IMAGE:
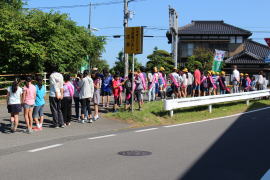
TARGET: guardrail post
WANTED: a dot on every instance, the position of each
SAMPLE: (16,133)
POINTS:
(247,102)
(171,113)
(210,108)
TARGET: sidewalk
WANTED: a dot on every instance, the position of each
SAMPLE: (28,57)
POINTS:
(75,130)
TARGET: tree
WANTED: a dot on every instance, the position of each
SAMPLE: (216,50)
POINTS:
(35,41)
(203,58)
(120,64)
(100,64)
(160,58)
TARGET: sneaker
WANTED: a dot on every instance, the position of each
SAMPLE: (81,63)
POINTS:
(56,127)
(107,106)
(96,118)
(90,121)
(68,124)
(82,121)
(12,124)
(103,105)
(28,131)
(36,129)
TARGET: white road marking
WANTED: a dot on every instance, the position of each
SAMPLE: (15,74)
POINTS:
(44,148)
(99,137)
(143,130)
(207,120)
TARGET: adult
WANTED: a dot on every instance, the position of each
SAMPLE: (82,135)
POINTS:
(67,99)
(106,88)
(39,103)
(138,88)
(260,81)
(197,81)
(235,79)
(144,81)
(55,98)
(14,100)
(29,96)
(185,82)
(86,93)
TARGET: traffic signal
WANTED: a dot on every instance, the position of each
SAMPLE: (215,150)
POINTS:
(169,37)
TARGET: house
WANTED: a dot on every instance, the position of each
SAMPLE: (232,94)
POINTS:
(242,51)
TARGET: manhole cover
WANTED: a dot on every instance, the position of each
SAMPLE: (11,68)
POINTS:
(135,153)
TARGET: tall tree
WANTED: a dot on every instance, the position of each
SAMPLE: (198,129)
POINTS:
(120,64)
(160,58)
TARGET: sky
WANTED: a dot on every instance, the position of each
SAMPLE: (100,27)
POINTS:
(108,19)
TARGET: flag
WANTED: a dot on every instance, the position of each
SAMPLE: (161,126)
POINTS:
(218,60)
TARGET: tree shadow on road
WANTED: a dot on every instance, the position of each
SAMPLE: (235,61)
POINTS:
(241,153)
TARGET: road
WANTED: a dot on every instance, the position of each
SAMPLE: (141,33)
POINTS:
(230,148)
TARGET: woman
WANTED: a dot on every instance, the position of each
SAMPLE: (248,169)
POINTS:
(96,97)
(76,96)
(67,99)
(14,99)
(39,103)
(29,96)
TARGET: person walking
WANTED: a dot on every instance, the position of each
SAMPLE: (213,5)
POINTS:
(39,103)
(197,81)
(86,93)
(235,79)
(55,98)
(14,101)
(29,96)
(96,98)
(76,96)
(67,99)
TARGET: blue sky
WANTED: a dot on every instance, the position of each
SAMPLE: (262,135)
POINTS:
(247,14)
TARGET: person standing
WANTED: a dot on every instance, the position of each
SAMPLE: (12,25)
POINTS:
(67,99)
(260,81)
(96,98)
(204,84)
(14,101)
(86,93)
(190,82)
(185,82)
(106,88)
(175,83)
(29,96)
(128,87)
(138,88)
(247,83)
(76,96)
(56,96)
(222,83)
(153,85)
(39,103)
(197,81)
(116,91)
(235,79)
(162,83)
(211,84)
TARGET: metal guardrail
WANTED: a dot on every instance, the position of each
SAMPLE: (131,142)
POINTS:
(170,105)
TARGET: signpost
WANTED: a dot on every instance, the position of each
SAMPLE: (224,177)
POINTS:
(218,59)
(133,45)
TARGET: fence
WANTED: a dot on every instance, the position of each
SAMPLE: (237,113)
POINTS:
(7,79)
(170,105)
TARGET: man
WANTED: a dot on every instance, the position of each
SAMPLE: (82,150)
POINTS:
(235,79)
(86,92)
(197,81)
(55,98)
(106,88)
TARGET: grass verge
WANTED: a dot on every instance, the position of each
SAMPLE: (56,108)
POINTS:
(153,113)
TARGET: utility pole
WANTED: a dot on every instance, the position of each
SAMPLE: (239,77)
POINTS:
(173,18)
(126,17)
(89,27)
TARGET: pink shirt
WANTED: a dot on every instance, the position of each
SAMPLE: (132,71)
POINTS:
(197,77)
(29,94)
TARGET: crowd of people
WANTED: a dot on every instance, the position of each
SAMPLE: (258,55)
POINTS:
(96,88)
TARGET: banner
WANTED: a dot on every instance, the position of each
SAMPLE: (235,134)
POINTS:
(218,60)
(267,40)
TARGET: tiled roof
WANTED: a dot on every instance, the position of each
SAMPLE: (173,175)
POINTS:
(212,28)
(253,53)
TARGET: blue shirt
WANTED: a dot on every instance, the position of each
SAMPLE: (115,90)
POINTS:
(40,96)
(106,84)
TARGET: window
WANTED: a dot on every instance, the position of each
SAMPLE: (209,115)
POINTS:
(239,39)
(232,39)
(190,47)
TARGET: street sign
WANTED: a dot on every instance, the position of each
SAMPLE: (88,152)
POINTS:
(267,41)
(134,40)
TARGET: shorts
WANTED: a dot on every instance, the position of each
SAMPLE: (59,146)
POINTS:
(174,88)
(196,87)
(38,111)
(105,93)
(14,108)
(27,106)
(96,97)
(138,94)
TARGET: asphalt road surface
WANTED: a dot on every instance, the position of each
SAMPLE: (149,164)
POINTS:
(230,148)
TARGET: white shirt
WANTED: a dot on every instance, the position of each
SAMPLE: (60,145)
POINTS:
(236,75)
(260,80)
(190,79)
(150,77)
(56,83)
(14,98)
(185,80)
(87,88)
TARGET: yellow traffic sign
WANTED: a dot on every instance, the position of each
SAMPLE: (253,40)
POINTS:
(134,40)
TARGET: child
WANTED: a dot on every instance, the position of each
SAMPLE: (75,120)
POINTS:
(204,85)
(29,96)
(222,83)
(138,88)
(39,103)
(76,96)
(96,98)
(128,87)
(248,83)
(106,88)
(14,97)
(67,99)
(116,91)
